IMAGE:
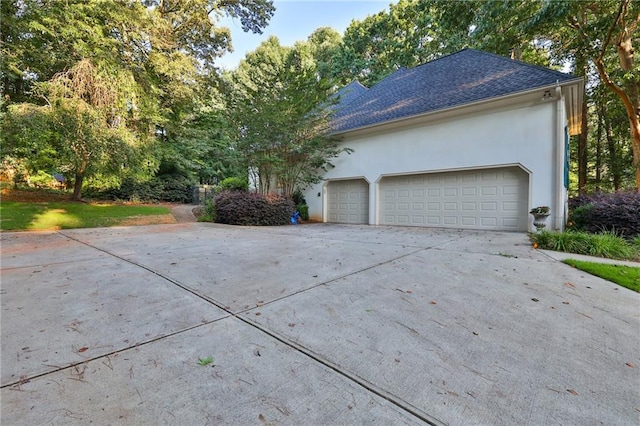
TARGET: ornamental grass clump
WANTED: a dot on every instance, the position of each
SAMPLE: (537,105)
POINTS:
(605,244)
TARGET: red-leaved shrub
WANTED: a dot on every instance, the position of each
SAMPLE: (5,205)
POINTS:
(618,212)
(250,208)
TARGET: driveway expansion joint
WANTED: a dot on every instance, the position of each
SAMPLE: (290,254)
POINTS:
(370,387)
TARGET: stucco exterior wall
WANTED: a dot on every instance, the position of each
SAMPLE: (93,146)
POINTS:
(524,135)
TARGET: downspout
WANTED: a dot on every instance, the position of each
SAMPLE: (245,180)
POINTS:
(559,211)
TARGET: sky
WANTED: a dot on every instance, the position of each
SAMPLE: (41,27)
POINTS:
(295,20)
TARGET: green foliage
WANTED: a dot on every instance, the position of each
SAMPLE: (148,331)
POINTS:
(162,44)
(16,216)
(606,244)
(249,208)
(209,214)
(41,179)
(303,209)
(146,74)
(26,141)
(197,143)
(205,361)
(625,276)
(172,188)
(404,36)
(234,184)
(301,205)
(129,189)
(281,111)
(176,188)
(579,217)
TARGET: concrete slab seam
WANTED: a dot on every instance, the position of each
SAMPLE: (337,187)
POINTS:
(370,387)
(403,405)
(118,351)
(304,290)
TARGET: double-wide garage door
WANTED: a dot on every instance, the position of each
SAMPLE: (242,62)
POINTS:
(348,201)
(493,199)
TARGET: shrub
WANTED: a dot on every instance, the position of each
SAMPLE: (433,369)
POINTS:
(171,188)
(128,190)
(298,198)
(301,204)
(303,209)
(618,212)
(248,208)
(234,184)
(579,216)
(42,179)
(208,212)
(176,189)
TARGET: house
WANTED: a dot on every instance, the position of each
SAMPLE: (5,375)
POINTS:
(470,140)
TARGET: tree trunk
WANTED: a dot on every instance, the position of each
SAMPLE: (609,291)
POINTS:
(614,160)
(624,48)
(635,145)
(77,187)
(581,68)
(631,101)
(598,179)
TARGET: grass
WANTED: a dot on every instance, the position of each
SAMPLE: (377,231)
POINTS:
(626,276)
(19,216)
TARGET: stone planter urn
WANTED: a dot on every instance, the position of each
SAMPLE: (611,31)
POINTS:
(540,215)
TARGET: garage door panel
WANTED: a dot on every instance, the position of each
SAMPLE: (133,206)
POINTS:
(348,201)
(469,191)
(483,199)
(489,206)
(489,191)
(490,222)
(469,207)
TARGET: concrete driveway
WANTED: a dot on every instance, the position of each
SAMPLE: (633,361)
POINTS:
(311,324)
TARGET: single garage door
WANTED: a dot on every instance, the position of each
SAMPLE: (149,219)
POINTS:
(348,201)
(494,199)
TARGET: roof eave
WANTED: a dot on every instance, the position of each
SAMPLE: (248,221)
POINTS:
(573,91)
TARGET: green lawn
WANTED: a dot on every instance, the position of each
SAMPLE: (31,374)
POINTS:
(18,216)
(626,276)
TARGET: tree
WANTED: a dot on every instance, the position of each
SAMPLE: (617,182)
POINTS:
(404,36)
(86,131)
(281,111)
(324,44)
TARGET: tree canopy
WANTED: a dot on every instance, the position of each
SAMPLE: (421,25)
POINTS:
(280,106)
(159,54)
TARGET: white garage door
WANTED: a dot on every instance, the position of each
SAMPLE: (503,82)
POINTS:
(348,201)
(493,199)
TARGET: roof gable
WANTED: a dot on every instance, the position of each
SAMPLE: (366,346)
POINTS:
(350,92)
(461,78)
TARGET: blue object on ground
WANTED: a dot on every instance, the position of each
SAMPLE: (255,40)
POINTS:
(295,218)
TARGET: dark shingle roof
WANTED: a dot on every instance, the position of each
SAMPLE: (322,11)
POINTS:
(461,78)
(350,92)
